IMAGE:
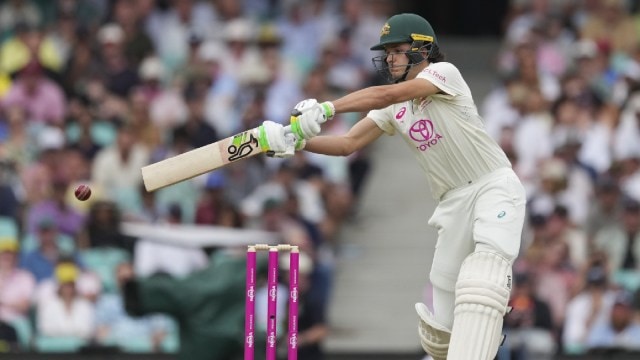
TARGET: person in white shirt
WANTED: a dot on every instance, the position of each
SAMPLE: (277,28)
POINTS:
(481,206)
(66,313)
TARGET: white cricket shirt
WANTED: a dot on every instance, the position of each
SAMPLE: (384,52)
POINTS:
(444,131)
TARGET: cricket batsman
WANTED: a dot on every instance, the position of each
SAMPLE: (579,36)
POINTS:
(481,201)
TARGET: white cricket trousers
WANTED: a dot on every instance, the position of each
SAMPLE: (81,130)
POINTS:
(487,215)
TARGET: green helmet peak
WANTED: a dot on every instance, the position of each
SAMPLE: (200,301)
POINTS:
(405,28)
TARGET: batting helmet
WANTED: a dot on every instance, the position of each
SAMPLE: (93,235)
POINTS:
(405,28)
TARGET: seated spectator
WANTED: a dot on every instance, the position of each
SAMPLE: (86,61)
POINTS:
(621,330)
(115,327)
(621,242)
(212,204)
(16,285)
(49,250)
(529,326)
(588,310)
(42,98)
(88,286)
(606,209)
(102,228)
(66,313)
(69,220)
(116,168)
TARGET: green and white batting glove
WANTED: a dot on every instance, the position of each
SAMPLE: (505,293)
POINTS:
(273,140)
(308,115)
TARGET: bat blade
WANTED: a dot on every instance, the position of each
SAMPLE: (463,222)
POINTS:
(201,160)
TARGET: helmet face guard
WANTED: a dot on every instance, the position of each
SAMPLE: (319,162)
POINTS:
(414,55)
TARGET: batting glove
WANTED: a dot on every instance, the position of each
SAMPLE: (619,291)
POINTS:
(307,116)
(274,141)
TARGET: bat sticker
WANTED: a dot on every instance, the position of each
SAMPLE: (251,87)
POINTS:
(242,146)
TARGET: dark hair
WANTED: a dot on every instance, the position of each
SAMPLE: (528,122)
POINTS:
(435,55)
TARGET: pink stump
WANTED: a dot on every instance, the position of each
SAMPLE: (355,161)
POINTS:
(250,305)
(294,264)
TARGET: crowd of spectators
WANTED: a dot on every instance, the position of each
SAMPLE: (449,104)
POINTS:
(567,112)
(92,90)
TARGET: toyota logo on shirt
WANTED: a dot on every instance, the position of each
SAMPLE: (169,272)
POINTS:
(423,133)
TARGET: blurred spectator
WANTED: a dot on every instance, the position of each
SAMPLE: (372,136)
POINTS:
(591,62)
(275,219)
(579,191)
(14,12)
(116,168)
(284,180)
(86,134)
(197,130)
(170,28)
(64,36)
(88,285)
(611,23)
(588,310)
(220,103)
(302,35)
(102,228)
(621,330)
(212,205)
(628,130)
(281,84)
(621,241)
(560,229)
(167,107)
(10,204)
(66,314)
(17,285)
(556,279)
(42,99)
(529,325)
(49,250)
(137,45)
(18,147)
(118,73)
(348,73)
(552,178)
(68,220)
(38,176)
(115,327)
(29,43)
(534,125)
(606,210)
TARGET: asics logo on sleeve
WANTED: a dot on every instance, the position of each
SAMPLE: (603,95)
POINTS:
(400,113)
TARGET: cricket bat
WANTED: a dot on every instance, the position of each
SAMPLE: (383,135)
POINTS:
(201,160)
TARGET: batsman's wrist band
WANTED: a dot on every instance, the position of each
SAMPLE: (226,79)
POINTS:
(329,109)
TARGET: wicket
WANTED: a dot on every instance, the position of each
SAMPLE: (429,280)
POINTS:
(272,286)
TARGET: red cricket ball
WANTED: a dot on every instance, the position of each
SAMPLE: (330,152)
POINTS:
(82,192)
